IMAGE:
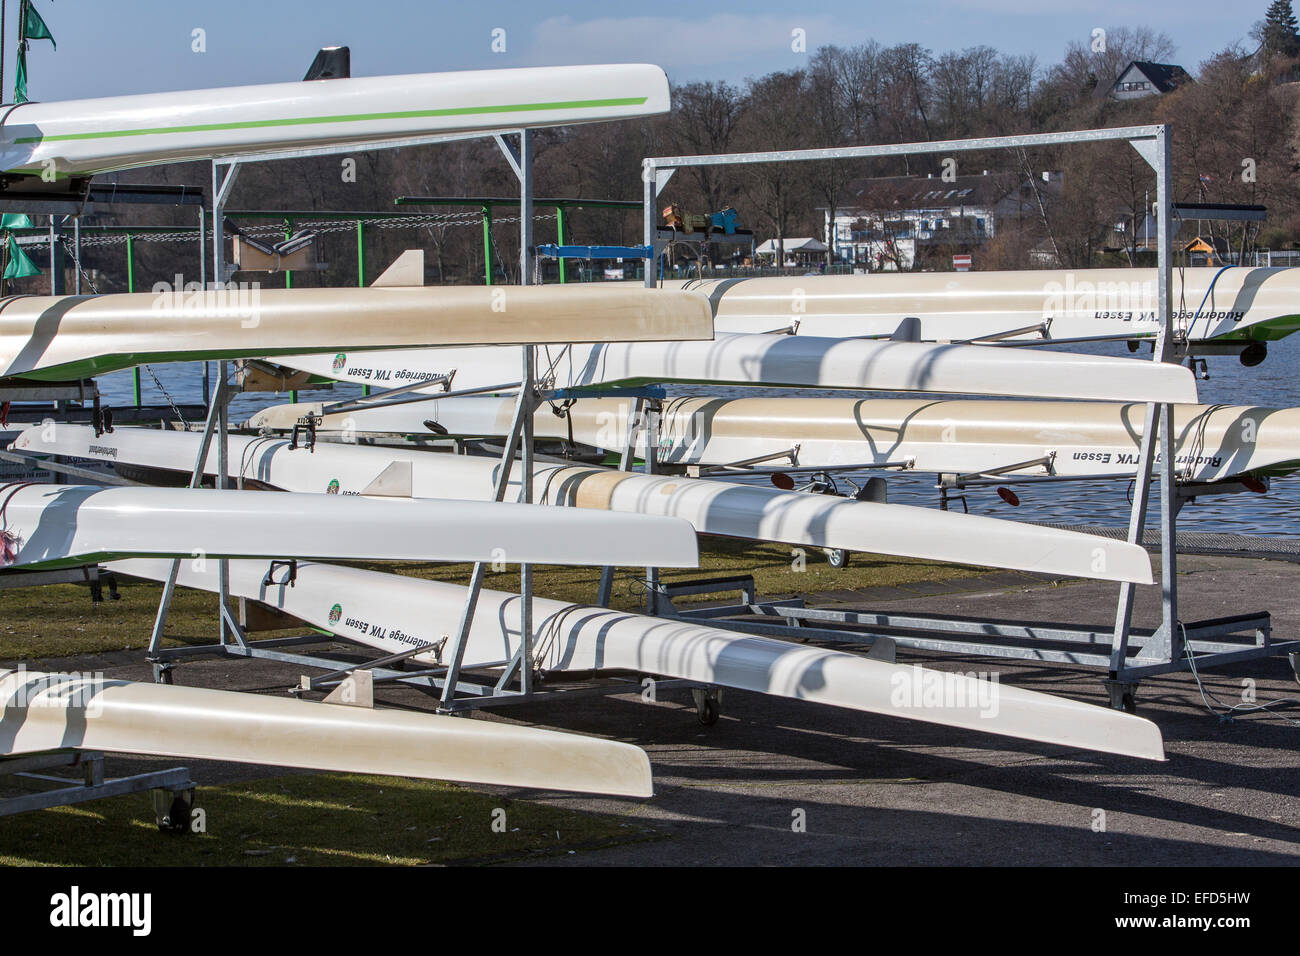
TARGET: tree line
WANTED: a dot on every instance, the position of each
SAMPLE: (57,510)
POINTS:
(1234,138)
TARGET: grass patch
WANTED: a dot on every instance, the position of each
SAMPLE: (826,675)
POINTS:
(311,820)
(59,620)
(773,567)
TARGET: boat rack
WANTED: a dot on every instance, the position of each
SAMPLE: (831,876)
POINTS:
(456,690)
(93,576)
(1128,654)
(173,790)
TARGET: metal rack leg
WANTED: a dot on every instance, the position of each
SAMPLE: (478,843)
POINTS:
(196,478)
(1136,528)
(652,413)
(633,427)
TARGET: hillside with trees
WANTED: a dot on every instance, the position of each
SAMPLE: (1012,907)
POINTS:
(1234,133)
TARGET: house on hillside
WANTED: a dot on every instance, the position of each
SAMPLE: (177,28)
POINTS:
(1142,78)
(889,223)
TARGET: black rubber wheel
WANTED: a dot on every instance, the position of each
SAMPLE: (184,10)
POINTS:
(177,819)
(1253,354)
(837,558)
(708,713)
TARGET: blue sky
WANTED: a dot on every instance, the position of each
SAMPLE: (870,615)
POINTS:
(140,46)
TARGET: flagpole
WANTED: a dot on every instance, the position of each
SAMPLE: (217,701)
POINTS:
(22,38)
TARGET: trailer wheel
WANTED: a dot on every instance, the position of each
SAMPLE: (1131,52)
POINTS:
(707,708)
(172,810)
(837,558)
(1123,695)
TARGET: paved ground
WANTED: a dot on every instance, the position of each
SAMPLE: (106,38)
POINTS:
(875,790)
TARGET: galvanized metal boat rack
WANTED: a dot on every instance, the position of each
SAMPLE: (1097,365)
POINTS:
(172,790)
(497,683)
(1128,654)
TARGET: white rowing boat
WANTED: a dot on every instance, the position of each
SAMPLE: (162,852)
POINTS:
(711,507)
(968,436)
(1229,307)
(392,613)
(42,712)
(68,337)
(85,137)
(45,526)
(776,360)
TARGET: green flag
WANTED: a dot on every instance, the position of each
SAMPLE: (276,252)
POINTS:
(34,27)
(19,265)
(20,75)
(15,220)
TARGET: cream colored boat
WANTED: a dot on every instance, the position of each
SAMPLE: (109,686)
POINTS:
(42,712)
(68,337)
(1231,308)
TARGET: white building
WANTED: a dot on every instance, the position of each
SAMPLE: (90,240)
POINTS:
(798,251)
(891,222)
(1142,78)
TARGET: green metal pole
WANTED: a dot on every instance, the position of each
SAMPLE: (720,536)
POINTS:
(487,244)
(288,273)
(361,270)
(361,253)
(288,284)
(559,236)
(130,287)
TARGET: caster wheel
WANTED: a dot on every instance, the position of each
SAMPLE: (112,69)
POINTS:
(1253,354)
(1123,695)
(838,558)
(172,810)
(707,705)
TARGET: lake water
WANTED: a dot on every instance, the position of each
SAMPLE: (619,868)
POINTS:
(1274,383)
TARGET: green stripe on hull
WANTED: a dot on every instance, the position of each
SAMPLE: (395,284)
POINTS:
(342,118)
(1270,330)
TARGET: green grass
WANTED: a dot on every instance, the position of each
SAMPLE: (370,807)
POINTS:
(773,567)
(311,820)
(60,621)
(333,819)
